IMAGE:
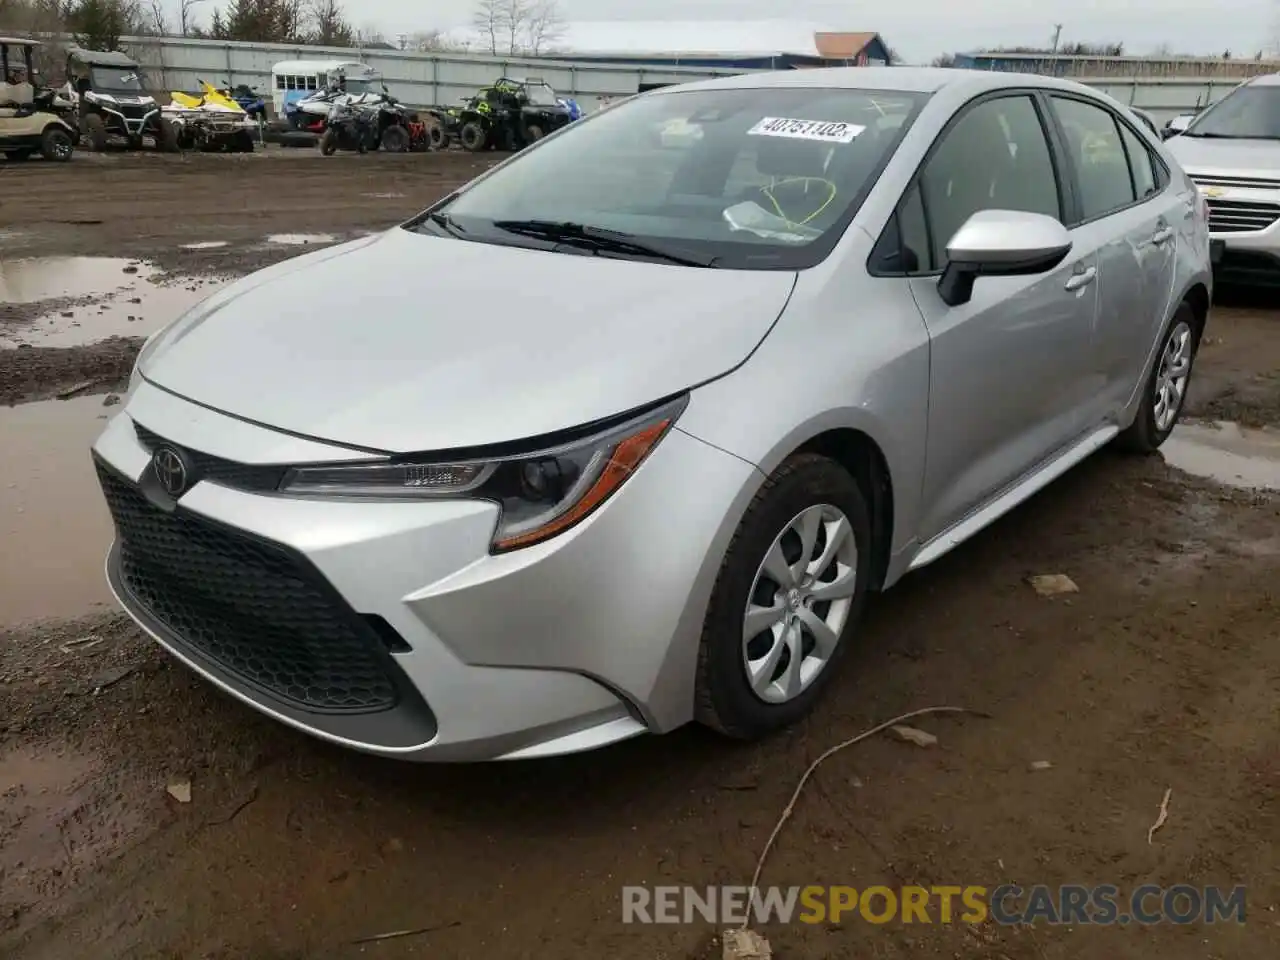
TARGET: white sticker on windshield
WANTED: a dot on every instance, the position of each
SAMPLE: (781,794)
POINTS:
(828,131)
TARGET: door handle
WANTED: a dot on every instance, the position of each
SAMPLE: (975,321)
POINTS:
(1082,279)
(1163,235)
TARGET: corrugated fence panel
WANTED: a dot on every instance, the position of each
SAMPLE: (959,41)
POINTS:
(422,79)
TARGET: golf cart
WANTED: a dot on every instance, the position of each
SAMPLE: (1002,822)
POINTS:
(28,120)
(509,114)
(112,102)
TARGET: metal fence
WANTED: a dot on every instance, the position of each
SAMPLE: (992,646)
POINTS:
(417,79)
(422,79)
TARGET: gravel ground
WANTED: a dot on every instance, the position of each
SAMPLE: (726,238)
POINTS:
(1160,673)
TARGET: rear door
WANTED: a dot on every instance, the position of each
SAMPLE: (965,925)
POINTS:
(1008,369)
(1127,213)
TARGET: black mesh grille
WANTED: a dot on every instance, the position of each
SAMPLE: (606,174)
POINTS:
(242,476)
(248,605)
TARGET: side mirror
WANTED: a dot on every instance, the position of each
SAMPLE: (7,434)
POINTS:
(1000,243)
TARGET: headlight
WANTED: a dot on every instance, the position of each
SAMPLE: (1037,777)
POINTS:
(541,494)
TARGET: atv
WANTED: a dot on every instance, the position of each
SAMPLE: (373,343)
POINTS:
(111,101)
(210,122)
(29,121)
(509,115)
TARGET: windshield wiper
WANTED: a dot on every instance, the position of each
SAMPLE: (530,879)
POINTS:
(447,222)
(600,240)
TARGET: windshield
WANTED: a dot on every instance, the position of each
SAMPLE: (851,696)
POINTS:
(359,85)
(1247,113)
(753,178)
(541,95)
(116,80)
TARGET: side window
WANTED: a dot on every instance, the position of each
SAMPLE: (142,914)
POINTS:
(996,157)
(280,82)
(1141,163)
(1102,167)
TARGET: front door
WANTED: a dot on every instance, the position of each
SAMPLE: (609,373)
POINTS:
(1009,369)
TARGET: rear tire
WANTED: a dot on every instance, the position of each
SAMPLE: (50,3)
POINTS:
(805,486)
(395,139)
(56,145)
(329,142)
(95,128)
(473,137)
(1165,391)
(534,133)
(436,136)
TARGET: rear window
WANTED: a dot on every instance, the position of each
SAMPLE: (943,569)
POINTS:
(764,178)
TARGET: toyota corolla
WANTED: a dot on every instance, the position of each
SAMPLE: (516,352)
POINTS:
(622,434)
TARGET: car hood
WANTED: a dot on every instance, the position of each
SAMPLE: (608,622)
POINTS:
(1239,158)
(407,342)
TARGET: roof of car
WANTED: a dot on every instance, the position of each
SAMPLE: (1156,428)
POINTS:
(102,58)
(908,79)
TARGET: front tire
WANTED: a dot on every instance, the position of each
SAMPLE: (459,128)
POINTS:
(329,142)
(95,128)
(1165,392)
(791,589)
(473,137)
(395,139)
(56,145)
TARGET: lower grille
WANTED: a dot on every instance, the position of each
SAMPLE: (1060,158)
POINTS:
(1241,216)
(252,607)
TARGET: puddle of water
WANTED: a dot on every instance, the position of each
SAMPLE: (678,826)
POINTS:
(299,239)
(205,245)
(1226,452)
(47,278)
(54,522)
(93,298)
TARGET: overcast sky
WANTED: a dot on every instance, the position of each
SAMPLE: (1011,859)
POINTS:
(917,29)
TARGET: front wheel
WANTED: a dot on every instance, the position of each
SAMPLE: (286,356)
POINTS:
(790,590)
(95,128)
(329,142)
(1166,389)
(473,137)
(56,144)
(395,139)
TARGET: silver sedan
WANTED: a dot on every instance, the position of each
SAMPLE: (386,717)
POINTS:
(624,433)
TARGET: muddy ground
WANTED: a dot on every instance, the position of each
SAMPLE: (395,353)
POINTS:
(1160,673)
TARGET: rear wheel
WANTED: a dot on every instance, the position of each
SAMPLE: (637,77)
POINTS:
(792,586)
(473,136)
(534,133)
(166,137)
(436,135)
(56,144)
(1166,389)
(395,139)
(95,128)
(329,142)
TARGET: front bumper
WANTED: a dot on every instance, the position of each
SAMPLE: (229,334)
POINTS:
(1244,233)
(388,627)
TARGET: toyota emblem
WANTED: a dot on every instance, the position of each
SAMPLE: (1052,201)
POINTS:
(170,470)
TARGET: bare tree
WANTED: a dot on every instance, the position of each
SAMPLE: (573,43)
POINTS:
(489,19)
(328,25)
(156,18)
(544,26)
(186,15)
(515,15)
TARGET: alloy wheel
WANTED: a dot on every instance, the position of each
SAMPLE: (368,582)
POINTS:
(799,603)
(1172,376)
